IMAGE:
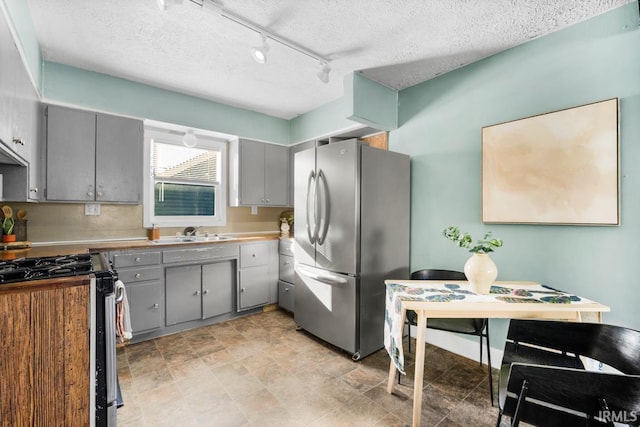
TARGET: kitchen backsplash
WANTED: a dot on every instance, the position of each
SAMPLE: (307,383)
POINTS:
(54,222)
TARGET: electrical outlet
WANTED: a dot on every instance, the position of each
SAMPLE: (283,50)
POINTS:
(92,209)
(254,210)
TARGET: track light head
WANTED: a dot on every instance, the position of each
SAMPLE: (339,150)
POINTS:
(166,4)
(323,75)
(259,53)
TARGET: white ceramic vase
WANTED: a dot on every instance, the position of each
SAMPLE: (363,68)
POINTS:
(481,272)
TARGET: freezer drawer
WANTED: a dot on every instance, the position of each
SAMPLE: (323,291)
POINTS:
(326,306)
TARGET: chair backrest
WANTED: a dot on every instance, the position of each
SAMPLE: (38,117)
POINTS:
(434,274)
(554,396)
(616,346)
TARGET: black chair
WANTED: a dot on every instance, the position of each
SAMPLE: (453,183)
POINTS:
(554,396)
(477,327)
(561,344)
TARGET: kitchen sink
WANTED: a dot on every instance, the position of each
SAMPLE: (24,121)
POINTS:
(192,239)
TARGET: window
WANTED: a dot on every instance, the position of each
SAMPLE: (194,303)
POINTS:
(184,186)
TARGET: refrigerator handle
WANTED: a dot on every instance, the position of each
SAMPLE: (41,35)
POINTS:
(329,279)
(312,237)
(326,207)
(317,213)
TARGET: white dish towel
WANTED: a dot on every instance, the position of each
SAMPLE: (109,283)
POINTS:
(123,318)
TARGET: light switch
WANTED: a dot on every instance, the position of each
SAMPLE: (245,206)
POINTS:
(92,209)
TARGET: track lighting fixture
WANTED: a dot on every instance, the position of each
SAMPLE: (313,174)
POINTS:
(189,139)
(323,75)
(259,53)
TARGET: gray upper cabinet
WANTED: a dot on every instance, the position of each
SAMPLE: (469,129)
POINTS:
(259,174)
(19,124)
(118,159)
(9,59)
(92,157)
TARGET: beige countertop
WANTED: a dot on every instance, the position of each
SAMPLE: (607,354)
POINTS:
(46,250)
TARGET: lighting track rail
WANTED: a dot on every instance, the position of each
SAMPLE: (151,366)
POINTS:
(216,8)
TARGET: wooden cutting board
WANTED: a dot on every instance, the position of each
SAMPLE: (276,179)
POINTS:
(15,245)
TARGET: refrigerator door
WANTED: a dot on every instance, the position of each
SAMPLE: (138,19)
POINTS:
(326,306)
(338,206)
(306,208)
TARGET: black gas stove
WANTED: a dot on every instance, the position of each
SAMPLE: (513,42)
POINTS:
(23,269)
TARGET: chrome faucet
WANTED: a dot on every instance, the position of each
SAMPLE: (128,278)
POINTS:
(191,231)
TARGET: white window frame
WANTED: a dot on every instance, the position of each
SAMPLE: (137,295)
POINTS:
(172,134)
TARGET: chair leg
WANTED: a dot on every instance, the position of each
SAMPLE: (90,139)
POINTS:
(409,336)
(499,418)
(480,348)
(515,421)
(489,368)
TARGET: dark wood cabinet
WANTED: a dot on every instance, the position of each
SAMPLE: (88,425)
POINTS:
(44,354)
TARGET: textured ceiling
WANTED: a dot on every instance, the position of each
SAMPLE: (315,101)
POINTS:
(398,43)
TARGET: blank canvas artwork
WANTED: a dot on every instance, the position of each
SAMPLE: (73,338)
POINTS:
(555,168)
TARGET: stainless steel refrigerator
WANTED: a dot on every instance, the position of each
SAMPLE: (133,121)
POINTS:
(351,233)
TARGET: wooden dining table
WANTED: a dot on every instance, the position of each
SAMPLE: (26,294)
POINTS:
(454,299)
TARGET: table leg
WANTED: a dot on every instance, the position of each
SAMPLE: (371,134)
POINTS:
(393,371)
(419,369)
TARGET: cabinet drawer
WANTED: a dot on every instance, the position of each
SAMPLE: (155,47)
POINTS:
(135,259)
(132,275)
(253,254)
(286,268)
(201,253)
(286,246)
(286,295)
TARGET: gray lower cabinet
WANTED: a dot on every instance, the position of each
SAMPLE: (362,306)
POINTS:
(286,293)
(258,274)
(199,291)
(184,297)
(286,287)
(218,283)
(141,273)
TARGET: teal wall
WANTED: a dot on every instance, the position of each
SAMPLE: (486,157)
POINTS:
(440,127)
(372,103)
(89,89)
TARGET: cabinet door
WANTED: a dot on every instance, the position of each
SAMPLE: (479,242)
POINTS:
(218,281)
(286,292)
(145,306)
(254,289)
(118,159)
(251,172)
(70,154)
(183,293)
(21,122)
(276,175)
(9,57)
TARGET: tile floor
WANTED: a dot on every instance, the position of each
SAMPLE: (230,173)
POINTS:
(259,371)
